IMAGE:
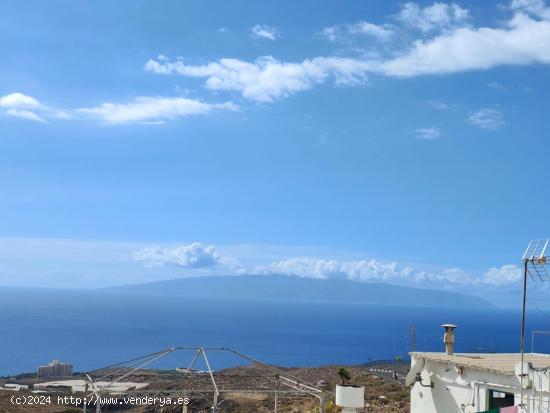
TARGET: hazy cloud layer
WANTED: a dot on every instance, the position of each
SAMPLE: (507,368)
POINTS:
(200,256)
(94,263)
(374,270)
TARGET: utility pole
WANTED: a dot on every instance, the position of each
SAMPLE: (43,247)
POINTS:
(277,395)
(85,395)
(98,403)
(413,337)
(184,408)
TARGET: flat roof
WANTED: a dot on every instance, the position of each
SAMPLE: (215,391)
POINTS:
(503,363)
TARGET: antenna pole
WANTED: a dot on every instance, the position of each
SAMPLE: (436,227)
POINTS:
(522,346)
(413,338)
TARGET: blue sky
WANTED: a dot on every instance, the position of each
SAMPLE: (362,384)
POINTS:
(393,141)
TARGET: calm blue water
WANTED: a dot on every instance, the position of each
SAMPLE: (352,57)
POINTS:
(92,330)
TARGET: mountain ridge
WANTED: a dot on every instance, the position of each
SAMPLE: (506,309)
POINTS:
(280,287)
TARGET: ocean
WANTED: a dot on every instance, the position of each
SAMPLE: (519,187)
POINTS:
(91,330)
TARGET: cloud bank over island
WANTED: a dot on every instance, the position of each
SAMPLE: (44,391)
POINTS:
(207,257)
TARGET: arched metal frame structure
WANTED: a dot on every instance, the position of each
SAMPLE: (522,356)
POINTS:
(285,384)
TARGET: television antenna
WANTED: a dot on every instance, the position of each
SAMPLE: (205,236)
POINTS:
(534,264)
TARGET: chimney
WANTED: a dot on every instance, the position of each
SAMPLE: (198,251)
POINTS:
(449,338)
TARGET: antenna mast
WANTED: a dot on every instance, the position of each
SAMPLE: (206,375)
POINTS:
(534,264)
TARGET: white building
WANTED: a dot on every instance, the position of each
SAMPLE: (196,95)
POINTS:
(14,387)
(55,369)
(446,383)
(80,385)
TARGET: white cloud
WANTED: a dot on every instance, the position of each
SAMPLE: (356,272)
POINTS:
(267,78)
(362,270)
(382,32)
(428,133)
(24,114)
(22,106)
(261,31)
(200,256)
(142,109)
(27,107)
(152,109)
(331,33)
(195,255)
(19,101)
(497,86)
(534,7)
(372,29)
(525,41)
(438,105)
(507,274)
(490,119)
(456,276)
(374,270)
(436,16)
(323,269)
(370,269)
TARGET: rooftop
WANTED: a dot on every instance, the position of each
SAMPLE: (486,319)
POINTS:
(503,363)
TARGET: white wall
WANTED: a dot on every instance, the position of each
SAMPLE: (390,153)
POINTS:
(467,393)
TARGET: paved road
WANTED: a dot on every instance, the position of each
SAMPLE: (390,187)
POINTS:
(391,373)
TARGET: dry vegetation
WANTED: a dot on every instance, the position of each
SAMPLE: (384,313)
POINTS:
(395,396)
